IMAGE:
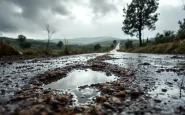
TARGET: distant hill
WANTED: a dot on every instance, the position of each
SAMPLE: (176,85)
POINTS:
(89,40)
(41,44)
(35,44)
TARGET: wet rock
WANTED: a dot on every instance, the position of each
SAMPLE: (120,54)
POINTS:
(157,100)
(17,98)
(2,63)
(41,108)
(164,90)
(46,91)
(181,109)
(174,97)
(19,92)
(129,73)
(2,110)
(64,99)
(121,94)
(135,94)
(158,71)
(78,109)
(116,100)
(24,112)
(145,63)
(98,65)
(175,80)
(3,92)
(107,90)
(83,96)
(10,63)
(35,108)
(101,99)
(108,105)
(169,83)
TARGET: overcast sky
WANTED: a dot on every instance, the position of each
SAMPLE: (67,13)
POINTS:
(78,18)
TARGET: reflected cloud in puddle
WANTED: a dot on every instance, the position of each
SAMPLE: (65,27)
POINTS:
(85,95)
(78,78)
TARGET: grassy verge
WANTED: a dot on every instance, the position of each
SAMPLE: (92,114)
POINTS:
(40,52)
(166,48)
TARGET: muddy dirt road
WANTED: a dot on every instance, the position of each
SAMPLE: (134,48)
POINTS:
(161,77)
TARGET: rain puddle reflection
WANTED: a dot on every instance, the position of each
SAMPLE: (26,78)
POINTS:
(78,78)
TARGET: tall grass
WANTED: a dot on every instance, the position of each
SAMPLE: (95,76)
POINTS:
(176,47)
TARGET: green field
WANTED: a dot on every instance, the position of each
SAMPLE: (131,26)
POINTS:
(38,47)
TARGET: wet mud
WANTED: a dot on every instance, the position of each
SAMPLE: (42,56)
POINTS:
(131,83)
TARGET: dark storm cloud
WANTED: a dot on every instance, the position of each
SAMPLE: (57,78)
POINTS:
(29,16)
(7,22)
(33,12)
(102,7)
(34,8)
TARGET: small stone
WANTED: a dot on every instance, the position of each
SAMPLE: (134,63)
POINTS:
(157,100)
(3,92)
(135,94)
(63,98)
(116,100)
(164,90)
(107,105)
(20,91)
(120,94)
(41,108)
(17,98)
(82,96)
(100,99)
(175,80)
(146,63)
(24,112)
(78,109)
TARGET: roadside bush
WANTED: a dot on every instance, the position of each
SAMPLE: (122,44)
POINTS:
(24,45)
(97,47)
(128,44)
(166,36)
(181,31)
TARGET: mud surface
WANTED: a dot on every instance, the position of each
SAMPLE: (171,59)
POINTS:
(16,74)
(143,84)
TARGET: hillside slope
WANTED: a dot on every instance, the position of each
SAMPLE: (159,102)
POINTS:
(89,40)
(166,48)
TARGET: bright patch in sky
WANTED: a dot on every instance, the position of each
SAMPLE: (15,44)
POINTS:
(171,2)
(81,14)
(18,10)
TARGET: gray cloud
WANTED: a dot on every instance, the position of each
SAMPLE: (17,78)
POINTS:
(34,8)
(102,7)
(31,15)
(7,22)
(168,19)
(34,13)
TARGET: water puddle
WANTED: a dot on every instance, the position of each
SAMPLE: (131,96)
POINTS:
(84,95)
(13,76)
(78,78)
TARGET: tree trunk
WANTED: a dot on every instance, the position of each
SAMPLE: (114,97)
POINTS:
(47,45)
(140,38)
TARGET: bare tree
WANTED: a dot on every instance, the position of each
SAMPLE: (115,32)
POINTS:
(183,4)
(66,47)
(181,85)
(50,32)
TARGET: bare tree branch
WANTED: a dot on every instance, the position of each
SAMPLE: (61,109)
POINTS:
(183,4)
(50,31)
